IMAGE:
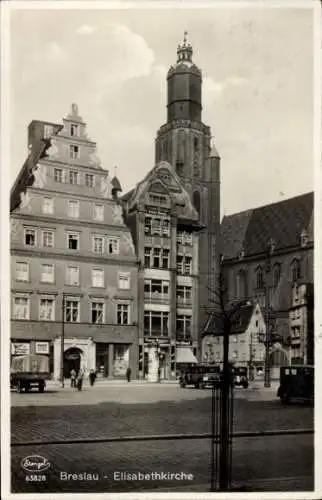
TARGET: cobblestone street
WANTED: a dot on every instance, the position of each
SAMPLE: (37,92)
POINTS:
(110,411)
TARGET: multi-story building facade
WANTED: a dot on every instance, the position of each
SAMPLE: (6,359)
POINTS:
(165,229)
(302,324)
(185,142)
(73,263)
(246,343)
(266,251)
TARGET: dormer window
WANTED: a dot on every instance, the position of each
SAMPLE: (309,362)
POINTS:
(48,131)
(304,238)
(74,130)
(271,245)
(241,255)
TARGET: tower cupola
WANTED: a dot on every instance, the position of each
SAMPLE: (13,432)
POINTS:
(184,50)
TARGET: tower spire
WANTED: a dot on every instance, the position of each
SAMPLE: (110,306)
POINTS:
(184,50)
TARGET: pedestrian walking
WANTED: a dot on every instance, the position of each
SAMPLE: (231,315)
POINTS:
(128,374)
(92,377)
(73,378)
(80,378)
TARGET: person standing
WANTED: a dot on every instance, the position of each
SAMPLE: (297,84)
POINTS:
(128,374)
(92,377)
(73,378)
(80,377)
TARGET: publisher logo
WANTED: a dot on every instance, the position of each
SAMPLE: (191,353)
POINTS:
(35,463)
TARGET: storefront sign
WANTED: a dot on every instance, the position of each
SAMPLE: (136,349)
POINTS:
(20,349)
(42,347)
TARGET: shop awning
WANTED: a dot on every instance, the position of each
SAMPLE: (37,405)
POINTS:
(185,355)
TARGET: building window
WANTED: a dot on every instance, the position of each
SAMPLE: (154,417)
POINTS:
(58,175)
(74,129)
(184,238)
(235,354)
(180,168)
(184,294)
(156,323)
(48,131)
(124,281)
(259,278)
(73,177)
(123,316)
(113,245)
(72,311)
(196,200)
(156,257)
(98,278)
(276,274)
(89,180)
(304,238)
(184,264)
(157,225)
(48,238)
(73,153)
(97,312)
(73,241)
(46,310)
(98,211)
(196,143)
(73,209)
(48,205)
(295,270)
(98,244)
(30,237)
(183,326)
(22,271)
(47,273)
(156,290)
(21,308)
(157,199)
(241,284)
(72,276)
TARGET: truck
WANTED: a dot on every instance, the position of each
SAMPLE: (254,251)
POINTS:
(29,371)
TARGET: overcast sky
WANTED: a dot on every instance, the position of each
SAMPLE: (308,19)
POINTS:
(257,92)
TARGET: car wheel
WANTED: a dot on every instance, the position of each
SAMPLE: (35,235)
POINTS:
(41,387)
(201,385)
(245,385)
(19,387)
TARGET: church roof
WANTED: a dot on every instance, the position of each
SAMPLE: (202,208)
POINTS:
(239,318)
(283,222)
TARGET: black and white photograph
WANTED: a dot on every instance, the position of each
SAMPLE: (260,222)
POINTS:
(160,249)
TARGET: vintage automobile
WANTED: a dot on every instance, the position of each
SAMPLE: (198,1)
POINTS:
(240,376)
(201,376)
(28,372)
(296,382)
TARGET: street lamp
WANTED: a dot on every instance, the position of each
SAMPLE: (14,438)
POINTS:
(267,377)
(62,342)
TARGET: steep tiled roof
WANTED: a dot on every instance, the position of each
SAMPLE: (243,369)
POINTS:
(239,319)
(282,221)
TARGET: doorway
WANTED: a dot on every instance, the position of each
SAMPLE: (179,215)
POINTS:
(72,360)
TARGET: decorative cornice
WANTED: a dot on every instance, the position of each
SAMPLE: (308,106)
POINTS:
(63,255)
(69,222)
(264,255)
(54,192)
(190,124)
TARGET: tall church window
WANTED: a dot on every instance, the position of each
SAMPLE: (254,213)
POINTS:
(259,277)
(241,284)
(276,274)
(196,201)
(295,270)
(179,168)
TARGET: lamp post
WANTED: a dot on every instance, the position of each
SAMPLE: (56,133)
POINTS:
(267,378)
(62,342)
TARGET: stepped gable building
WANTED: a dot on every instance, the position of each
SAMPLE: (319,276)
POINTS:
(73,263)
(185,142)
(265,251)
(165,228)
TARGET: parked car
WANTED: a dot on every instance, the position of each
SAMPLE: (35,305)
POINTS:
(200,376)
(240,376)
(28,372)
(296,382)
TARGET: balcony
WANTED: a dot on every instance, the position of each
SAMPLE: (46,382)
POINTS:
(184,301)
(156,298)
(155,332)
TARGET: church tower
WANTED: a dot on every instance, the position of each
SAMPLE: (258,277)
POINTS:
(186,143)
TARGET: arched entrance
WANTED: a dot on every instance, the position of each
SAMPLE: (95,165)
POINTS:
(72,360)
(278,357)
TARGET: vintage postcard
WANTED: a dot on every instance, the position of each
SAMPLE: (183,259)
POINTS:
(160,249)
